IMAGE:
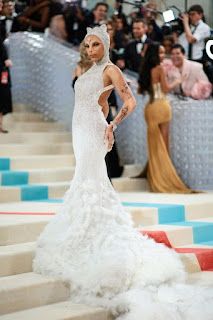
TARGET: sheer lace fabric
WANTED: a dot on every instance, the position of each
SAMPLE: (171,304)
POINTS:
(92,244)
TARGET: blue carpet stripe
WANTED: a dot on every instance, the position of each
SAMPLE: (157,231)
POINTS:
(30,192)
(4,164)
(14,178)
(166,212)
(208,243)
(202,231)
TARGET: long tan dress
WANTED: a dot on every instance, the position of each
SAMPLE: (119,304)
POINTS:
(161,173)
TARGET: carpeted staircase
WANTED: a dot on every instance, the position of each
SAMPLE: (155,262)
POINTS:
(36,166)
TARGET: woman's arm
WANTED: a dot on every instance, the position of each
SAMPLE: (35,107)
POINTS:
(165,86)
(37,24)
(113,75)
(32,9)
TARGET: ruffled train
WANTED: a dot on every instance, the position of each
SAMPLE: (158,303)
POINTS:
(91,244)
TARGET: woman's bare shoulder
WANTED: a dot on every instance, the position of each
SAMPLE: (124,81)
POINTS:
(110,68)
(157,69)
(113,72)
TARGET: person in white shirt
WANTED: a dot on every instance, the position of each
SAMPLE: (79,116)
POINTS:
(195,33)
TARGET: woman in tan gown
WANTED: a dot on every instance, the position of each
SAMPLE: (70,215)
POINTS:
(160,171)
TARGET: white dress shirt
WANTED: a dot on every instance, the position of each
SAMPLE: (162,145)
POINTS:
(200,32)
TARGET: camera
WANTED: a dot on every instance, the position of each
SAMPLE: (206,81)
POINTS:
(172,21)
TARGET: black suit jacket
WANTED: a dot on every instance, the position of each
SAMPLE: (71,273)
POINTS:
(132,57)
(2,28)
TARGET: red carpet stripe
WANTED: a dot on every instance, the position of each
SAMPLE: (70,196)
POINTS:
(30,213)
(160,237)
(203,255)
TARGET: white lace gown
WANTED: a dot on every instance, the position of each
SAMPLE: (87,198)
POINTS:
(91,243)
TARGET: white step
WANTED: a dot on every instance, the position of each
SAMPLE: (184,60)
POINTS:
(23,116)
(7,150)
(29,290)
(125,184)
(143,216)
(132,170)
(56,190)
(35,126)
(177,235)
(44,161)
(26,207)
(60,311)
(42,175)
(16,258)
(35,137)
(202,278)
(19,107)
(51,175)
(16,229)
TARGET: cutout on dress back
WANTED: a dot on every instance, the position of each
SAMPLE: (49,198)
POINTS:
(104,90)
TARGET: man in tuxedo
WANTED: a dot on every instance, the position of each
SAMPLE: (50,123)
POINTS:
(98,15)
(10,14)
(136,48)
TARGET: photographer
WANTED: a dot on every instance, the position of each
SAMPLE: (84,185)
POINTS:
(195,33)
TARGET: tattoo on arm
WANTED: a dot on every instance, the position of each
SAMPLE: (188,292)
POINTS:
(122,114)
(126,95)
(125,91)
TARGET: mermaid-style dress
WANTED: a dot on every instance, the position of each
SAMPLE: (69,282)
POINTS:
(161,173)
(92,244)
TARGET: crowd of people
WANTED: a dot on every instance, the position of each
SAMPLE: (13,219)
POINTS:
(130,35)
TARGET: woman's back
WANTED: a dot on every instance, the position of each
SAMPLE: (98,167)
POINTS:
(156,82)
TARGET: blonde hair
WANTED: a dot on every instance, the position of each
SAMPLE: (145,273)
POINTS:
(85,62)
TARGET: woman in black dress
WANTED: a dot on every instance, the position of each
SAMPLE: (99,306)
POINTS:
(5,85)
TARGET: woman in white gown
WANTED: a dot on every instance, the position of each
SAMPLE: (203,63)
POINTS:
(91,242)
